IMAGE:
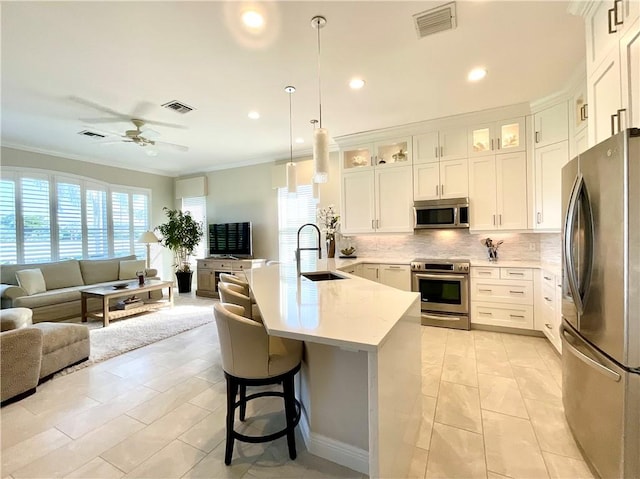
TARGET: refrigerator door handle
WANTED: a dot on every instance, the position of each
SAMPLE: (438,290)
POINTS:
(569,226)
(589,239)
(571,342)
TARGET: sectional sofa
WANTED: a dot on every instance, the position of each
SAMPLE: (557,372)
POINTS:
(52,290)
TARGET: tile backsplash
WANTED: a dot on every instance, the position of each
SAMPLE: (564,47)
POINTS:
(459,244)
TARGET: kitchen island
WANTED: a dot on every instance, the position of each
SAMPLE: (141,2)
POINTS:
(360,382)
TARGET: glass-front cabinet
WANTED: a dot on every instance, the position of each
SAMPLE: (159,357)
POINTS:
(497,137)
(378,154)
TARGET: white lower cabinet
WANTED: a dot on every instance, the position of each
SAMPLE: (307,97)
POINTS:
(370,272)
(395,275)
(497,299)
(548,308)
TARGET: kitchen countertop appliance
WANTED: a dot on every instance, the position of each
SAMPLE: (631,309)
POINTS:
(444,291)
(601,303)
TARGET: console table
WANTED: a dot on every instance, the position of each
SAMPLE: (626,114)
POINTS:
(209,270)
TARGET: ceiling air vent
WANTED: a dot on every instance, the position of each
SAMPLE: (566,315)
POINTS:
(91,134)
(178,106)
(435,20)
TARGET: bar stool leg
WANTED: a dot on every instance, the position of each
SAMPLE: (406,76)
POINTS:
(243,401)
(232,391)
(290,413)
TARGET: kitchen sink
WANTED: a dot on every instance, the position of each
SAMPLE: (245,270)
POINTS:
(322,276)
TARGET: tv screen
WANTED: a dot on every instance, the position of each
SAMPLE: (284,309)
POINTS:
(230,239)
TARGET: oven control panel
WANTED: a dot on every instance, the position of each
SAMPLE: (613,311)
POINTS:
(440,266)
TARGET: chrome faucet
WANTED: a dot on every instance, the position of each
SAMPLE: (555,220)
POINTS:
(298,249)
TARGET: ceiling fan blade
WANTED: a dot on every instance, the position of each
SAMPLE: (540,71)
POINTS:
(163,144)
(162,123)
(114,142)
(97,106)
(97,121)
(149,133)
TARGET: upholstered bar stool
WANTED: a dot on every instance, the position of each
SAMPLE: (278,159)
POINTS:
(250,357)
(234,294)
(233,279)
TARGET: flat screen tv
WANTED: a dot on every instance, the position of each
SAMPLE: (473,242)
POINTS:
(230,239)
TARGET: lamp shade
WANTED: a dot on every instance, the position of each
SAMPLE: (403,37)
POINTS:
(320,155)
(148,237)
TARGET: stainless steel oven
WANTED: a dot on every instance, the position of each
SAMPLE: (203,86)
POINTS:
(444,291)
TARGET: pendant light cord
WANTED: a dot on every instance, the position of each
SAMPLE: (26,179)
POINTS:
(290,131)
(319,81)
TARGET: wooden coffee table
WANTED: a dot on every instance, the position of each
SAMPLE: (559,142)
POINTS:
(106,293)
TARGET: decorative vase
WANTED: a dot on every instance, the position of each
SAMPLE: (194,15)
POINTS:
(331,248)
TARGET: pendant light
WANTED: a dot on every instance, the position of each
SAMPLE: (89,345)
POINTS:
(320,135)
(315,186)
(292,183)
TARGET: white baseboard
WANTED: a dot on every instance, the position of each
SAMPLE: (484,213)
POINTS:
(333,450)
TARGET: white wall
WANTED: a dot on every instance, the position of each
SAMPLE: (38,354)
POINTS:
(161,187)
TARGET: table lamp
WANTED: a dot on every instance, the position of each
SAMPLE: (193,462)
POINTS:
(148,237)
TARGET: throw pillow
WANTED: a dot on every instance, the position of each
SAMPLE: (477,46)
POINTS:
(128,269)
(31,280)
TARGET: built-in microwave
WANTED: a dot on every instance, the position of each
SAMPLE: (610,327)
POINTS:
(450,213)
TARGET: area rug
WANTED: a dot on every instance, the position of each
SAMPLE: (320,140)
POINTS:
(135,332)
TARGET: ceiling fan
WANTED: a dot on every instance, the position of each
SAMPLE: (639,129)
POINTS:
(140,136)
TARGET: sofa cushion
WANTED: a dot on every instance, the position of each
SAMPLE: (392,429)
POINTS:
(129,268)
(57,296)
(101,270)
(31,280)
(62,274)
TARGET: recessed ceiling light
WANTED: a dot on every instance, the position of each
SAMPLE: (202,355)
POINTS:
(254,115)
(299,140)
(477,74)
(252,19)
(356,83)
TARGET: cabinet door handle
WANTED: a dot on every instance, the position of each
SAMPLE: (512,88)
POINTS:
(547,298)
(609,22)
(500,219)
(537,137)
(615,13)
(491,144)
(377,223)
(494,220)
(547,278)
(586,111)
(613,122)
(620,118)
(436,151)
(441,151)
(539,216)
(442,189)
(436,190)
(373,225)
(548,326)
(498,143)
(582,113)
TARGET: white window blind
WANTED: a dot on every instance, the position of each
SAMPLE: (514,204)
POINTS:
(8,239)
(140,205)
(97,227)
(48,217)
(37,219)
(197,206)
(293,212)
(69,213)
(121,225)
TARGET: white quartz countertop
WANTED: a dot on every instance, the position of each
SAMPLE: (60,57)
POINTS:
(352,313)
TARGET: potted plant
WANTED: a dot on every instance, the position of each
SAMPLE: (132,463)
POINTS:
(181,234)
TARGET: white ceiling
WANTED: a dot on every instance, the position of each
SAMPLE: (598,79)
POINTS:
(59,58)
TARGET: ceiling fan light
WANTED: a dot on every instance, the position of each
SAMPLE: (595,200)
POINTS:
(320,155)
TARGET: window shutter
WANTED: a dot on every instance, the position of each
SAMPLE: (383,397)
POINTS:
(37,219)
(96,218)
(293,212)
(8,239)
(69,212)
(121,224)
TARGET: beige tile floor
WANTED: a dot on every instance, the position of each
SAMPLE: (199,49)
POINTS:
(491,408)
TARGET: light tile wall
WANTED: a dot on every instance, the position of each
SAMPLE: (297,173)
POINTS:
(459,244)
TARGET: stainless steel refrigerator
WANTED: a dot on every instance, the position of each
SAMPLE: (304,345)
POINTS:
(601,303)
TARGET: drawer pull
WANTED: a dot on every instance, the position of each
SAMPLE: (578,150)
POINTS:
(395,267)
(516,292)
(547,278)
(515,274)
(548,326)
(485,290)
(485,313)
(484,272)
(517,316)
(547,298)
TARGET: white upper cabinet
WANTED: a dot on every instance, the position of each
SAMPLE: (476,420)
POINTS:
(551,125)
(499,137)
(396,152)
(377,200)
(630,73)
(498,192)
(604,99)
(446,144)
(441,180)
(549,161)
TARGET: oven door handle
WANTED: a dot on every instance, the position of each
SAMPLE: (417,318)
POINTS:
(442,317)
(440,276)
